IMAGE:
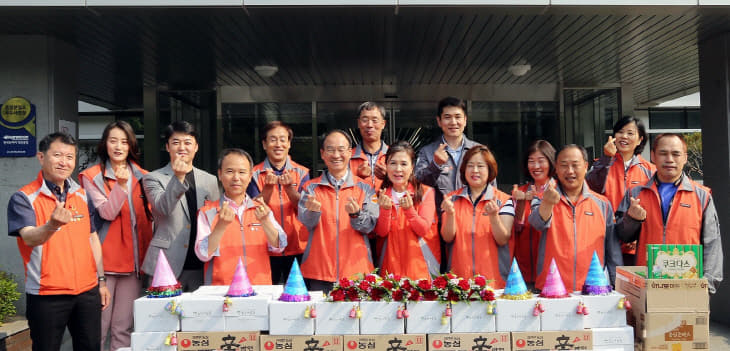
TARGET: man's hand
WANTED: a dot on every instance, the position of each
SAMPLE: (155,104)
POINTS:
(406,201)
(364,170)
(384,201)
(181,168)
(447,206)
(285,178)
(311,203)
(609,149)
(106,296)
(122,174)
(636,211)
(380,171)
(270,178)
(440,156)
(352,207)
(551,195)
(59,216)
(225,216)
(262,211)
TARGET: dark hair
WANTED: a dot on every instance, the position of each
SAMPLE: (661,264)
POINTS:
(101,149)
(451,101)
(326,135)
(639,126)
(404,146)
(236,151)
(488,156)
(575,146)
(546,149)
(47,140)
(666,135)
(276,124)
(180,127)
(369,105)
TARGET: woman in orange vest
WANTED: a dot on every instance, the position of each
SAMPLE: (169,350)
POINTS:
(406,222)
(621,168)
(539,168)
(471,221)
(123,223)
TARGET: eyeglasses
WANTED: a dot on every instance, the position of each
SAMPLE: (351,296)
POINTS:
(340,150)
(365,120)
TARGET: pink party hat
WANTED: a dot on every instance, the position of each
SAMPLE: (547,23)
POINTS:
(554,287)
(240,286)
(164,283)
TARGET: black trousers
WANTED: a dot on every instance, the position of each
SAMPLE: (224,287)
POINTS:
(49,315)
(280,266)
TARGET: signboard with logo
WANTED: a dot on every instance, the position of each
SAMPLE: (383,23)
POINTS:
(17,127)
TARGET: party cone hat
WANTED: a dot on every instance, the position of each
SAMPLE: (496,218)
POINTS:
(295,290)
(596,282)
(554,287)
(240,286)
(515,288)
(164,283)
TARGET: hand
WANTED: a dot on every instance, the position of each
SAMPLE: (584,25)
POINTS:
(406,201)
(270,178)
(380,171)
(226,215)
(181,168)
(59,216)
(364,170)
(531,193)
(262,211)
(285,178)
(122,174)
(311,203)
(106,296)
(609,149)
(517,194)
(636,211)
(352,207)
(384,201)
(447,206)
(440,156)
(491,208)
(551,196)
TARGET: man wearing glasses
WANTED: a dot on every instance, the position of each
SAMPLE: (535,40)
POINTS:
(338,211)
(368,159)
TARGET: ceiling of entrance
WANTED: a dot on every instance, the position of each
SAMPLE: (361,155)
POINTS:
(123,49)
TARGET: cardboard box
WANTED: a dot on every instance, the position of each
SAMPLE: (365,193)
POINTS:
(603,310)
(379,317)
(202,313)
(615,348)
(334,318)
(152,341)
(552,340)
(287,318)
(203,341)
(472,317)
(661,295)
(516,315)
(392,342)
(613,337)
(248,313)
(427,317)
(301,342)
(150,315)
(560,314)
(674,261)
(470,342)
(674,331)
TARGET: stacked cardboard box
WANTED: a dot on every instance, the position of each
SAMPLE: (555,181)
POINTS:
(667,314)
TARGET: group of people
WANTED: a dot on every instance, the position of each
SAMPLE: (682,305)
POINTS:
(86,248)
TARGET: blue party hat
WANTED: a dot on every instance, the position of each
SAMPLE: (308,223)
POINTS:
(515,288)
(596,282)
(295,290)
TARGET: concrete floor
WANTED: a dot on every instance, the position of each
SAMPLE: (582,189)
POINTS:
(719,336)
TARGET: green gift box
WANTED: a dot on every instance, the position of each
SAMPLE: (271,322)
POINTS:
(668,261)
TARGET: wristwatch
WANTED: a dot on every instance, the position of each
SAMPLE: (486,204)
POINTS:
(354,215)
(102,278)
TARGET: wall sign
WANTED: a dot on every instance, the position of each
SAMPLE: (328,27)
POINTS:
(17,128)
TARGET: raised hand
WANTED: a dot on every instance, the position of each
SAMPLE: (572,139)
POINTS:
(491,208)
(285,178)
(181,168)
(609,149)
(262,210)
(636,211)
(380,171)
(364,170)
(122,174)
(270,178)
(311,203)
(60,215)
(517,194)
(352,207)
(531,193)
(447,206)
(440,156)
(551,195)
(226,215)
(384,201)
(406,201)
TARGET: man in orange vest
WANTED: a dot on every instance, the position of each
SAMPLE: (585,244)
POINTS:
(672,209)
(338,210)
(368,158)
(237,227)
(574,222)
(64,273)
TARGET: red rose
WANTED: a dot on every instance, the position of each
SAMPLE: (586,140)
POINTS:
(464,284)
(397,295)
(452,296)
(488,295)
(480,281)
(430,295)
(396,277)
(415,296)
(376,294)
(424,284)
(406,285)
(352,294)
(370,278)
(451,275)
(345,283)
(440,282)
(364,285)
(337,295)
(387,285)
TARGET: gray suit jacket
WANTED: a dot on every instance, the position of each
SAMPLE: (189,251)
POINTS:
(170,211)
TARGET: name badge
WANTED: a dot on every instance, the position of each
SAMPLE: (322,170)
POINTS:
(588,213)
(685,205)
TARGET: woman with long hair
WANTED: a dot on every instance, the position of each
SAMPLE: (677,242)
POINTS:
(472,223)
(406,223)
(123,224)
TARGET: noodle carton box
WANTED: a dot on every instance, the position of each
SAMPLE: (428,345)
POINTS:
(379,317)
(152,341)
(473,317)
(154,315)
(427,317)
(337,318)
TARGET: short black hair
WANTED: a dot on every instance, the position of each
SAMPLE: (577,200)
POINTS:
(326,135)
(573,146)
(180,127)
(639,126)
(47,140)
(236,151)
(451,101)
